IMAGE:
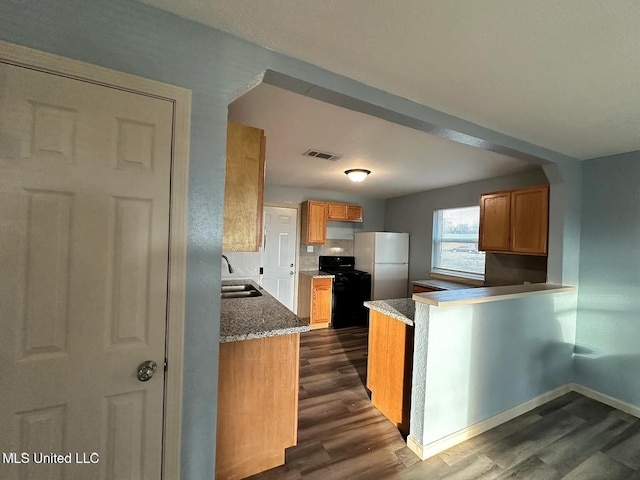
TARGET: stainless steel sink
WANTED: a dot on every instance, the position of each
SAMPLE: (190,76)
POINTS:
(243,290)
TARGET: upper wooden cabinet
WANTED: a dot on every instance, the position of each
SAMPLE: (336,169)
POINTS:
(315,215)
(515,221)
(244,189)
(495,220)
(342,212)
(314,223)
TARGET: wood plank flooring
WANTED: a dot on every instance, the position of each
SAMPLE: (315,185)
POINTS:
(342,436)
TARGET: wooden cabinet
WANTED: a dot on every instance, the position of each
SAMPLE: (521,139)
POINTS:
(423,289)
(321,301)
(314,300)
(530,220)
(495,221)
(244,189)
(257,404)
(314,223)
(515,221)
(315,215)
(389,367)
(342,212)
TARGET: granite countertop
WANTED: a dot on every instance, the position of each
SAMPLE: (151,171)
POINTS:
(487,294)
(256,317)
(316,274)
(402,309)
(441,284)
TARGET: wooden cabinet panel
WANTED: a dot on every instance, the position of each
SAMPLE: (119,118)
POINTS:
(314,223)
(343,212)
(315,215)
(244,189)
(423,289)
(530,220)
(494,222)
(321,300)
(354,213)
(337,211)
(314,300)
(515,221)
(389,367)
(257,404)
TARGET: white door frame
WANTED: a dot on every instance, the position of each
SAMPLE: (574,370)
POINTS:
(181,99)
(295,206)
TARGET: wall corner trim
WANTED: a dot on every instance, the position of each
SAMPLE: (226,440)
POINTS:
(426,451)
(606,399)
(433,448)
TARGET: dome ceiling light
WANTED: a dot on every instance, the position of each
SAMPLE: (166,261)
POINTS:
(357,174)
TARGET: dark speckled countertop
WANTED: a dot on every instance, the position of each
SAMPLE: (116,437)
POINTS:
(402,309)
(255,317)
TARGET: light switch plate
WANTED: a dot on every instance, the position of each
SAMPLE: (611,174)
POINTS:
(309,248)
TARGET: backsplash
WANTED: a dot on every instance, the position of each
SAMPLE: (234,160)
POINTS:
(335,247)
(245,265)
(504,269)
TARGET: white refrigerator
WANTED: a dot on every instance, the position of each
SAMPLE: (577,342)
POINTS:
(386,256)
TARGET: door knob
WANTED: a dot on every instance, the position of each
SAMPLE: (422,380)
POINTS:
(291,273)
(291,265)
(146,370)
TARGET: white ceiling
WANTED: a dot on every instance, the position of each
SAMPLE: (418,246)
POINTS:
(402,160)
(559,74)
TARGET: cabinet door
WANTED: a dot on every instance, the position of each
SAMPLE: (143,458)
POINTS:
(244,189)
(530,220)
(316,223)
(321,300)
(354,213)
(422,289)
(495,217)
(337,211)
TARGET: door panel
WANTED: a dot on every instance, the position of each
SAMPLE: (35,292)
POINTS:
(84,210)
(279,254)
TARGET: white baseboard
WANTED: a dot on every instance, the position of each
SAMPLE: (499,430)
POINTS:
(431,449)
(606,399)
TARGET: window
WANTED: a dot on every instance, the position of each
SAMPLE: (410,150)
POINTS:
(455,243)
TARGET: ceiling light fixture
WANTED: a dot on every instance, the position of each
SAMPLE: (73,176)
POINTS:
(357,174)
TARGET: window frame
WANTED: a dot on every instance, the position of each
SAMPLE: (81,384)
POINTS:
(435,252)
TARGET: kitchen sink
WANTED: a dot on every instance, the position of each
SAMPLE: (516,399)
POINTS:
(243,290)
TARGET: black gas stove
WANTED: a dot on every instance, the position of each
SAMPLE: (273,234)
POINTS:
(351,288)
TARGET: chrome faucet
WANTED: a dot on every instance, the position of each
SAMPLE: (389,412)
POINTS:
(231,270)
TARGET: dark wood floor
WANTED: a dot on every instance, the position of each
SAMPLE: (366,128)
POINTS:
(342,436)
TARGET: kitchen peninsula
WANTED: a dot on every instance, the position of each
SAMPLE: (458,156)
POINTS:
(257,384)
(483,356)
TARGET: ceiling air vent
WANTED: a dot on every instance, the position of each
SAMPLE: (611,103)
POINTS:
(324,155)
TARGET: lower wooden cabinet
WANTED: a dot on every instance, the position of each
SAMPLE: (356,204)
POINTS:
(258,385)
(314,300)
(389,367)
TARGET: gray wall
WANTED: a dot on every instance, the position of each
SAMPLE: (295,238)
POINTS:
(498,355)
(129,36)
(607,357)
(414,213)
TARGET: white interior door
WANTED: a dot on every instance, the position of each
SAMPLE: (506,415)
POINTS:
(280,253)
(84,210)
